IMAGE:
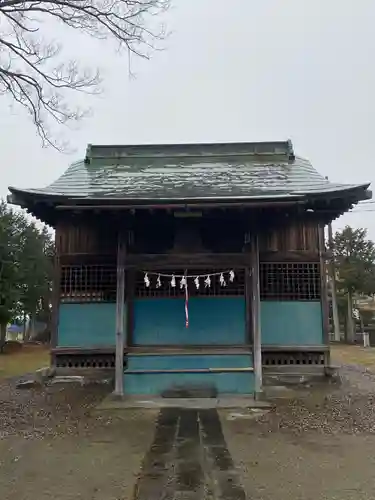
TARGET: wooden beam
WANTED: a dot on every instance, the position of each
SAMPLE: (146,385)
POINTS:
(83,350)
(165,261)
(153,350)
(289,256)
(120,309)
(257,340)
(81,204)
(293,348)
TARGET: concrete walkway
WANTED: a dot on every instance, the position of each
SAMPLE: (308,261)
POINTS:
(188,459)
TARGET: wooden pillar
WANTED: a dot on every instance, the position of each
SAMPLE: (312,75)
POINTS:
(130,290)
(56,289)
(249,306)
(324,292)
(120,309)
(255,296)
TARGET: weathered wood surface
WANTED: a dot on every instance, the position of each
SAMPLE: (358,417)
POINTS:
(295,237)
(255,295)
(81,238)
(216,236)
(120,309)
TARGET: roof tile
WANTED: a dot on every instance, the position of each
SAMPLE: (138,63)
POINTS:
(209,175)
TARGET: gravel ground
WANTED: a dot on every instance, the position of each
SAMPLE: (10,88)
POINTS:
(315,447)
(318,445)
(346,406)
(49,411)
(52,447)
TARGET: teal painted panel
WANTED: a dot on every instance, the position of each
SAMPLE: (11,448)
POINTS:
(189,361)
(288,323)
(155,384)
(212,320)
(87,325)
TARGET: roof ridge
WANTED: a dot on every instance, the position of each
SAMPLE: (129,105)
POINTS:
(276,148)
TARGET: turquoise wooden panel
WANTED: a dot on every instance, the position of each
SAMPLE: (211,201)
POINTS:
(212,320)
(87,325)
(189,361)
(291,323)
(155,384)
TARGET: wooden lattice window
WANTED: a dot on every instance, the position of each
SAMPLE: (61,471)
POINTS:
(234,288)
(290,281)
(88,283)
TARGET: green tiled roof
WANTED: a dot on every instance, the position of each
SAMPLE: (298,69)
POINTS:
(190,172)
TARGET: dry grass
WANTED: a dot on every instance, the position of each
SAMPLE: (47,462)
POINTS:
(27,360)
(353,355)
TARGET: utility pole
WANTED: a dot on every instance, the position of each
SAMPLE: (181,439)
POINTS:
(332,272)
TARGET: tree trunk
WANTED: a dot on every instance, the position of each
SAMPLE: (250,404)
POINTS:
(350,330)
(47,316)
(3,334)
(24,326)
(30,332)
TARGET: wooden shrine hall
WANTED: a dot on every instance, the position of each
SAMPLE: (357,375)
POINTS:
(190,265)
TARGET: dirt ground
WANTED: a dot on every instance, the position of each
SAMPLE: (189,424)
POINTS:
(317,445)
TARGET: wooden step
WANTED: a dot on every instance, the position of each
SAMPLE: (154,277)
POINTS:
(191,370)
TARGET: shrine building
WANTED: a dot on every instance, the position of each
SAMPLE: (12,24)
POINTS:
(190,265)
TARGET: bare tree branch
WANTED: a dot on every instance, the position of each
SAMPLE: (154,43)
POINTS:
(33,72)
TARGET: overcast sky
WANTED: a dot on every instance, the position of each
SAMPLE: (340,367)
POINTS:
(249,70)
